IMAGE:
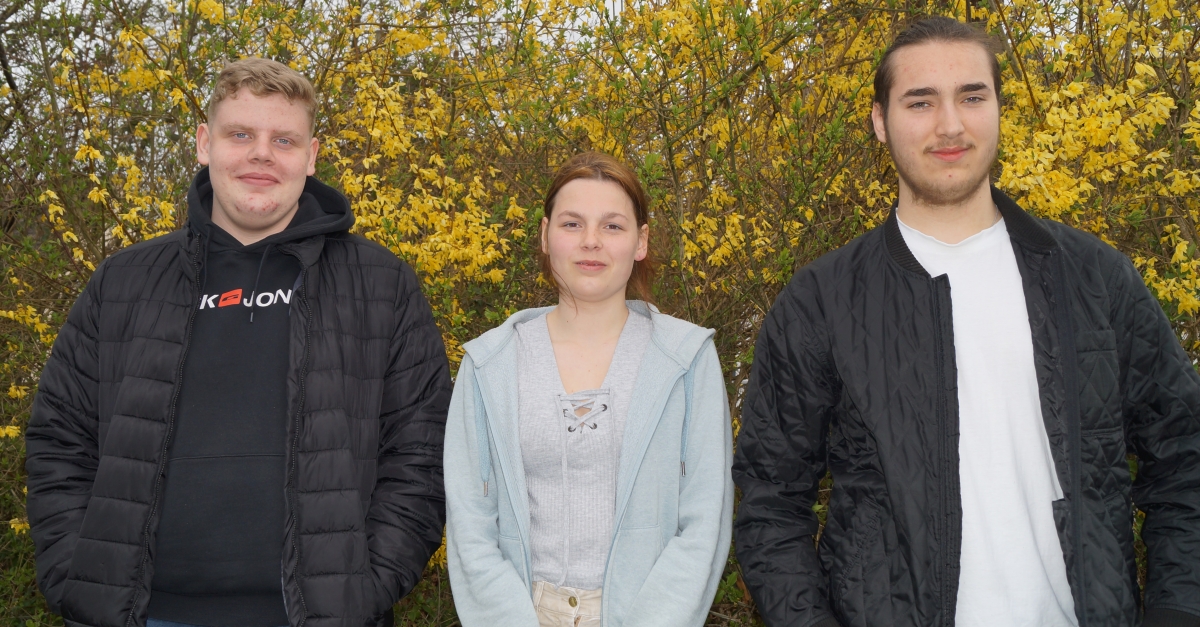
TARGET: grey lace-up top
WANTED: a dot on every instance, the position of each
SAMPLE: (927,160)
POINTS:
(571,448)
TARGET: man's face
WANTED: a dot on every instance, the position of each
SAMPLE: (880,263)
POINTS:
(258,150)
(943,120)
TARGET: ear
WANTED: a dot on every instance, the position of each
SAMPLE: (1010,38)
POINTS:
(879,121)
(643,247)
(312,156)
(545,244)
(202,140)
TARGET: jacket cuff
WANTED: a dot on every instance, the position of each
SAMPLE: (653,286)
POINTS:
(1161,617)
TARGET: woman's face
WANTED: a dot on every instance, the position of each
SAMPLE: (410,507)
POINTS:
(592,238)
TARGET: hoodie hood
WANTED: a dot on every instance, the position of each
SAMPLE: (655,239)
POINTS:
(679,339)
(323,210)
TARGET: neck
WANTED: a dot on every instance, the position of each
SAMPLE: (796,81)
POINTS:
(248,236)
(951,223)
(588,322)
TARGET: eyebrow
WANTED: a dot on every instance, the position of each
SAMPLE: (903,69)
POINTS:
(923,92)
(608,216)
(236,128)
(920,92)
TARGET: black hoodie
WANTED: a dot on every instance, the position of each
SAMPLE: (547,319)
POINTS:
(219,544)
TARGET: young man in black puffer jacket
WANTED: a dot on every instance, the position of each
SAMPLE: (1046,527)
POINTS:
(241,422)
(974,379)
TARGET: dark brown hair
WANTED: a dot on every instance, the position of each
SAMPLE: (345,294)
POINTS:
(601,167)
(931,29)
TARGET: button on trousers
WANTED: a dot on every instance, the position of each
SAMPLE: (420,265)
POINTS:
(565,607)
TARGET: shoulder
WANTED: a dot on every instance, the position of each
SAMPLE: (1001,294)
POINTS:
(834,272)
(492,341)
(346,256)
(1080,243)
(679,339)
(859,254)
(152,252)
(352,249)
(127,270)
(1087,254)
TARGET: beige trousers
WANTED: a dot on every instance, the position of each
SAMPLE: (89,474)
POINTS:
(565,607)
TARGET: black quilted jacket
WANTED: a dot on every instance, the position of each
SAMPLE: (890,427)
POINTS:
(368,388)
(854,372)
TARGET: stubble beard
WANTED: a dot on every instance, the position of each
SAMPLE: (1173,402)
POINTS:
(933,193)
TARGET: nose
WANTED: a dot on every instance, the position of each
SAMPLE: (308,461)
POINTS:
(591,238)
(949,123)
(260,150)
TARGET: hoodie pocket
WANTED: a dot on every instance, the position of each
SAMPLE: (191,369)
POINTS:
(511,550)
(633,556)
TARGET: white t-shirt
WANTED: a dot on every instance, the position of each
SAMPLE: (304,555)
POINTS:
(1012,568)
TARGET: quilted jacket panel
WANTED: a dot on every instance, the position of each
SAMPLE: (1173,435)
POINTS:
(854,373)
(368,389)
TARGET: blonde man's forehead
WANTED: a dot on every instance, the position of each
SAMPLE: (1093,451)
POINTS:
(264,77)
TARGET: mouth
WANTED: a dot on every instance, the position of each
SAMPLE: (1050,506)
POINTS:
(950,153)
(258,179)
(591,265)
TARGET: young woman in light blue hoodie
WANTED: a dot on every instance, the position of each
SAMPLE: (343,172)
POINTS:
(588,446)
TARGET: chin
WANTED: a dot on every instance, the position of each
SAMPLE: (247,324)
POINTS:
(589,294)
(937,192)
(258,207)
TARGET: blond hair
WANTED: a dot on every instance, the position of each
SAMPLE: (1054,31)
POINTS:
(264,77)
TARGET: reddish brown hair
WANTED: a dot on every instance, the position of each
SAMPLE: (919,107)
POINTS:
(601,167)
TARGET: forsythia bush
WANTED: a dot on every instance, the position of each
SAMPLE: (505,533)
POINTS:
(443,121)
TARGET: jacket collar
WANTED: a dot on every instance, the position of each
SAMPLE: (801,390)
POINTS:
(323,211)
(1021,226)
(678,339)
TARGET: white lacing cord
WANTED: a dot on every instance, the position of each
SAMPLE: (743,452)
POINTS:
(570,404)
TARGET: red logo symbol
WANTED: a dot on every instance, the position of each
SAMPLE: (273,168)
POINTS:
(231,297)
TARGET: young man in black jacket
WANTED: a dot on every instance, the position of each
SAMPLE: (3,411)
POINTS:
(241,422)
(974,379)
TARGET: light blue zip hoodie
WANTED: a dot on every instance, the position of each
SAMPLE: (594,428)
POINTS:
(674,490)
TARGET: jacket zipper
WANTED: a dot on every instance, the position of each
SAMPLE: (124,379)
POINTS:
(522,531)
(944,439)
(1074,453)
(296,440)
(162,462)
(660,406)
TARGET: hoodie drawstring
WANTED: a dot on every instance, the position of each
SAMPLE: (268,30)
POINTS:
(254,292)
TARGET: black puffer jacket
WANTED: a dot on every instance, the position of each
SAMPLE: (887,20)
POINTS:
(368,388)
(854,371)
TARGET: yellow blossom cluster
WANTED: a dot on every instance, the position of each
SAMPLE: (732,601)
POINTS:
(747,121)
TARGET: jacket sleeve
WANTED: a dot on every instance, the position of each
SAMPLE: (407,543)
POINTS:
(780,461)
(407,512)
(488,591)
(680,588)
(61,443)
(1161,405)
